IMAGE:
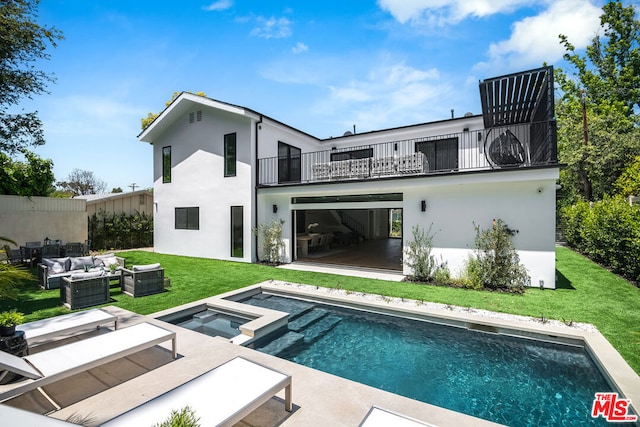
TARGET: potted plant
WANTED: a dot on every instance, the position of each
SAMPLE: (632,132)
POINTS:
(8,322)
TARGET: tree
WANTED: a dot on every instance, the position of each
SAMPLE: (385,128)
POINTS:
(81,182)
(22,43)
(597,120)
(146,121)
(628,184)
(610,69)
(116,190)
(31,178)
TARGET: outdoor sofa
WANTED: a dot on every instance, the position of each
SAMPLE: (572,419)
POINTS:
(52,270)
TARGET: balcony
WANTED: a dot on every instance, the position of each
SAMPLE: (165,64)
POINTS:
(498,148)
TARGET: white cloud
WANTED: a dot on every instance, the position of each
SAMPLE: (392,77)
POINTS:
(447,11)
(390,95)
(534,39)
(299,48)
(272,28)
(218,5)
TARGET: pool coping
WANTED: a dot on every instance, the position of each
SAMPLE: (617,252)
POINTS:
(615,369)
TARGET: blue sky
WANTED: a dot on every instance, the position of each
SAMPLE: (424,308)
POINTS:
(319,66)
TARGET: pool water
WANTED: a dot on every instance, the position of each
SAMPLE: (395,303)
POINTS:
(210,322)
(508,380)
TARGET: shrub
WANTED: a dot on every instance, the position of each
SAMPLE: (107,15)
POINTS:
(418,252)
(185,417)
(272,243)
(120,231)
(608,232)
(496,264)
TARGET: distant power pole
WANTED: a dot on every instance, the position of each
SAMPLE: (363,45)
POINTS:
(133,186)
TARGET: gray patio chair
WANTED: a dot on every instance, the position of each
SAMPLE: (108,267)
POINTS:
(142,280)
(73,249)
(83,290)
(51,251)
(14,256)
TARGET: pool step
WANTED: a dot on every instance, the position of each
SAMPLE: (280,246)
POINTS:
(295,308)
(320,328)
(281,344)
(307,319)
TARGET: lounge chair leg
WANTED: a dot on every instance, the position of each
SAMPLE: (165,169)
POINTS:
(288,404)
(49,399)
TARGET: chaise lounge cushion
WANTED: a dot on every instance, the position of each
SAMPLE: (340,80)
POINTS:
(147,267)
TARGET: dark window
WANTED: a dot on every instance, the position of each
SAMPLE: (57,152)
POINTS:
(188,218)
(230,154)
(362,153)
(289,157)
(237,232)
(166,164)
(442,154)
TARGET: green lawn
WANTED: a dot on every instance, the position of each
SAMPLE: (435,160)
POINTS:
(586,293)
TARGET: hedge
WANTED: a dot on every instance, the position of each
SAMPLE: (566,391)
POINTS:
(608,232)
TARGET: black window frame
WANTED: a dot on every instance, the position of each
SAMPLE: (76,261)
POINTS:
(442,154)
(289,163)
(237,232)
(166,164)
(361,153)
(230,154)
(187,218)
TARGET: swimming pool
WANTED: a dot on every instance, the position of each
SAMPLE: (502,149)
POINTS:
(509,380)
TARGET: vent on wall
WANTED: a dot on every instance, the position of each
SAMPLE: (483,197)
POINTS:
(195,116)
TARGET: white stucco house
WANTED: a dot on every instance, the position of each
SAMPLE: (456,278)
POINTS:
(220,170)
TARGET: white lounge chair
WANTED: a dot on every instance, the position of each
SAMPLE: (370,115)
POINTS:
(61,362)
(45,329)
(220,397)
(378,417)
(18,417)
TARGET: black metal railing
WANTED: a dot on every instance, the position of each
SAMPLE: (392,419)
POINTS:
(521,145)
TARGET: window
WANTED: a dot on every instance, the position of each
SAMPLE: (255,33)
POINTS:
(188,218)
(363,153)
(289,169)
(230,154)
(141,199)
(442,154)
(237,232)
(166,164)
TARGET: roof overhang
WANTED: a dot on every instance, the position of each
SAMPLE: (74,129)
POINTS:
(184,103)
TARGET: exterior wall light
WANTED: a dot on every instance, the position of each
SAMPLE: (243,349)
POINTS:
(275,208)
(423,205)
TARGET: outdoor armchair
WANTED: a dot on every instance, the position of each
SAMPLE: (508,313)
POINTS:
(142,280)
(82,290)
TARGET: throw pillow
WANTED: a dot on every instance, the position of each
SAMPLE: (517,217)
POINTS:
(55,265)
(78,263)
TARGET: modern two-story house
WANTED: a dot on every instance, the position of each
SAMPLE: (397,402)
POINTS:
(221,170)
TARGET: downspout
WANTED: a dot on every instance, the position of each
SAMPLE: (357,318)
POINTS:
(255,193)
